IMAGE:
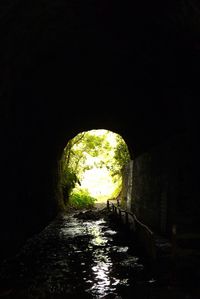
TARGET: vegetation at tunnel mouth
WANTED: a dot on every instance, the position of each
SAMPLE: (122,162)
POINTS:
(92,168)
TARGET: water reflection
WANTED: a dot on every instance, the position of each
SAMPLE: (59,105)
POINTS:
(73,257)
(103,283)
(105,266)
(98,237)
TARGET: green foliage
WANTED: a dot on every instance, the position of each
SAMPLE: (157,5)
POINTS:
(81,146)
(69,180)
(81,199)
(121,156)
(118,188)
(76,153)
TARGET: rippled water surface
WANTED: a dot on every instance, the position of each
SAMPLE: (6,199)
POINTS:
(77,258)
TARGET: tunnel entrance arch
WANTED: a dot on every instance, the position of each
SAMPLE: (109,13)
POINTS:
(93,165)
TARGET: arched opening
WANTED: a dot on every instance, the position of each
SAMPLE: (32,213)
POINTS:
(93,166)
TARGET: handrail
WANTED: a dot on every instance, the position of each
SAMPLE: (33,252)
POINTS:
(144,233)
(144,226)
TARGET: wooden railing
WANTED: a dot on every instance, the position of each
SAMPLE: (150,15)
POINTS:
(129,219)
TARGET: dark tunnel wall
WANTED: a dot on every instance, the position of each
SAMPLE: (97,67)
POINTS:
(165,187)
(70,66)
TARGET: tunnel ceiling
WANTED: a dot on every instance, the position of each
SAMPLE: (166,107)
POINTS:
(131,67)
(67,66)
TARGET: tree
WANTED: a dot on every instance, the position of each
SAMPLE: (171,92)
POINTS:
(121,155)
(97,147)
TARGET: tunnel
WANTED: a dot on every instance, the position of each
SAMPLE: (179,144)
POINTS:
(131,68)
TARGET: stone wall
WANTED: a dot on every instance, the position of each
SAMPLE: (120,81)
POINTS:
(60,68)
(127,186)
(163,189)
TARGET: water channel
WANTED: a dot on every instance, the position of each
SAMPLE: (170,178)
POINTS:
(79,257)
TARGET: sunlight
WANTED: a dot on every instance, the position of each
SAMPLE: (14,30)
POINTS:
(110,136)
(93,166)
(99,183)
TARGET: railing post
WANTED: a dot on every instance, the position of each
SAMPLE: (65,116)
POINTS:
(108,205)
(113,207)
(120,213)
(126,216)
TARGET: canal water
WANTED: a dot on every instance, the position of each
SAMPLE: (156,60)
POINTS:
(79,255)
